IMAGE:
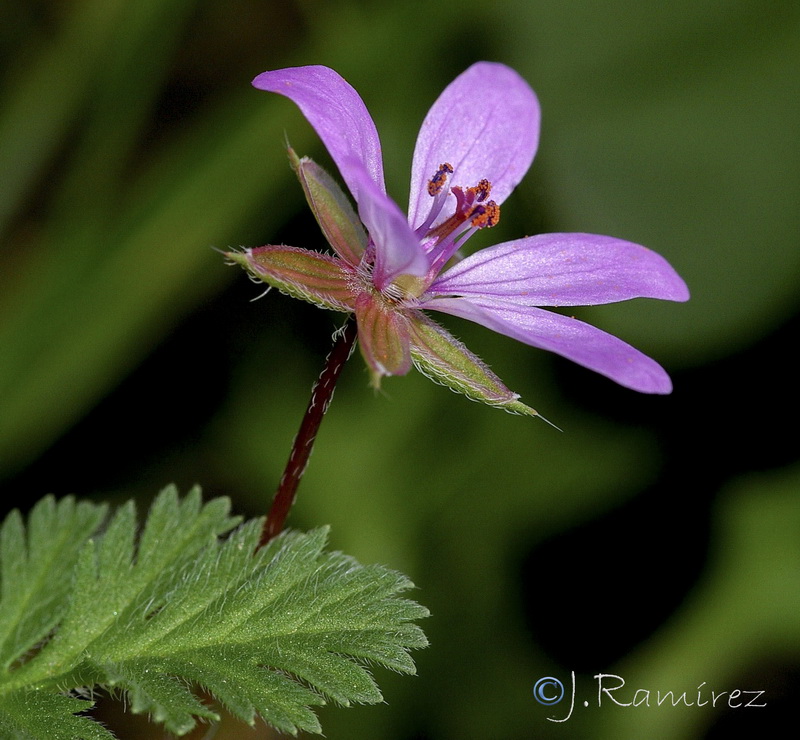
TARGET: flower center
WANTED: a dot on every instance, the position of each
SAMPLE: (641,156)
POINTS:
(472,212)
(397,293)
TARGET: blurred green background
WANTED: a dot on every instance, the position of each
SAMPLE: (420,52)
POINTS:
(657,539)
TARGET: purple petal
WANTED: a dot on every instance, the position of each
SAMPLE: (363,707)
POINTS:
(486,125)
(397,249)
(336,112)
(563,270)
(568,337)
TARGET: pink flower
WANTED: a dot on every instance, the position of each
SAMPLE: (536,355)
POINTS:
(476,143)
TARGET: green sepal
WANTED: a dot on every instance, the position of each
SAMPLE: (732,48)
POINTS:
(383,338)
(438,355)
(317,278)
(332,209)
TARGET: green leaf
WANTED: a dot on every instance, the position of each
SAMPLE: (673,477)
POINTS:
(272,632)
(36,568)
(32,714)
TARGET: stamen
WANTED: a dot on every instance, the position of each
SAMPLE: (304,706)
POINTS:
(482,190)
(437,191)
(472,212)
(479,215)
(485,216)
(436,183)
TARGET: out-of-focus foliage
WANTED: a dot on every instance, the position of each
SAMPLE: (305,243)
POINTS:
(651,540)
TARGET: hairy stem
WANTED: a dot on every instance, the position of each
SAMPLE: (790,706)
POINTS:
(321,395)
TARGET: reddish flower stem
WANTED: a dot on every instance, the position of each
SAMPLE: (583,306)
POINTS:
(321,395)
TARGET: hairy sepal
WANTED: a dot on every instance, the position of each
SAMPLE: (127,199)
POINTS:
(300,273)
(332,209)
(441,357)
(383,337)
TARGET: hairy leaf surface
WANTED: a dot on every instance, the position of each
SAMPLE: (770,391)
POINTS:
(190,604)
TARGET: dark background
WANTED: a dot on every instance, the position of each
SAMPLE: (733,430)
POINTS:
(656,538)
